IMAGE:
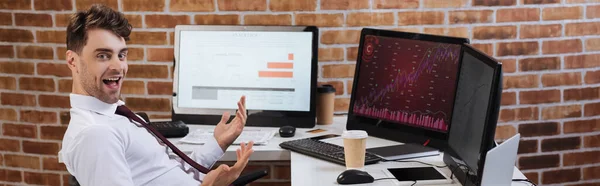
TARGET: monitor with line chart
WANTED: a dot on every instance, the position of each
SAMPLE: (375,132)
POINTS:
(272,66)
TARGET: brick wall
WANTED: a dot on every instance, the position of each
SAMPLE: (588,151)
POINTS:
(550,51)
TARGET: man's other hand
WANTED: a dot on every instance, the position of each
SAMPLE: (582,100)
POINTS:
(224,133)
(225,175)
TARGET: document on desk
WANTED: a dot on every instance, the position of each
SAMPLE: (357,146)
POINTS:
(260,137)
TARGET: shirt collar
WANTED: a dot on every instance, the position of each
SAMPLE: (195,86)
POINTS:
(94,104)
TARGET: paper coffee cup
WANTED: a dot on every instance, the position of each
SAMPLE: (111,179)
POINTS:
(355,142)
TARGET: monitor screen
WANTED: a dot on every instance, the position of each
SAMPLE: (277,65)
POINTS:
(273,69)
(471,110)
(408,82)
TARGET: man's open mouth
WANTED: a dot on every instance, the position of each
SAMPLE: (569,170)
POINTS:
(112,82)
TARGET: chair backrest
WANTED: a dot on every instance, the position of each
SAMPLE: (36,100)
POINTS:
(73,181)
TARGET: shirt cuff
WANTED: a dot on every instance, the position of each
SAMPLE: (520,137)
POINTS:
(208,154)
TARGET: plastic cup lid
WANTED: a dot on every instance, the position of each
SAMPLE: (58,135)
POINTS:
(355,134)
(325,89)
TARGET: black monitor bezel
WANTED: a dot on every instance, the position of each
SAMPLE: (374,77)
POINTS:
(401,133)
(463,172)
(262,118)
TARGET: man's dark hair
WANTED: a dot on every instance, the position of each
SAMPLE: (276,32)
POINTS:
(98,16)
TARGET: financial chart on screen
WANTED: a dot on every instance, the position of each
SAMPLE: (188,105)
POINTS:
(271,68)
(406,81)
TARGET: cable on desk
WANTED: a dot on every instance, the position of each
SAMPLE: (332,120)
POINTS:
(415,161)
(525,180)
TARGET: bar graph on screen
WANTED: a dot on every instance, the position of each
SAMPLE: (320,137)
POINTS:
(279,69)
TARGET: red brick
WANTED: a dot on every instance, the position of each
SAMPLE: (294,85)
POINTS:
(517,15)
(331,54)
(16,5)
(582,61)
(166,21)
(540,63)
(341,104)
(16,35)
(17,99)
(538,162)
(321,20)
(65,117)
(593,11)
(135,54)
(338,71)
(22,161)
(471,16)
(159,116)
(591,141)
(421,18)
(6,19)
(539,129)
(494,2)
(539,96)
(160,54)
(38,84)
(47,148)
(592,77)
(560,79)
(591,109)
(143,5)
(34,116)
(133,87)
(6,51)
(54,101)
(42,178)
(528,146)
(192,6)
(9,145)
(564,111)
(35,52)
(297,5)
(532,176)
(217,19)
(505,132)
(281,19)
(51,163)
(562,46)
(581,158)
(148,38)
(53,5)
(86,4)
(148,71)
(395,4)
(54,69)
(561,176)
(577,94)
(340,37)
(453,31)
(8,114)
(351,54)
(540,31)
(9,83)
(487,48)
(582,29)
(495,32)
(61,53)
(509,98)
(590,173)
(52,132)
(520,81)
(149,104)
(581,126)
(51,36)
(561,144)
(519,114)
(517,48)
(65,85)
(10,175)
(527,2)
(27,19)
(344,4)
(134,20)
(62,20)
(242,5)
(19,130)
(445,3)
(161,88)
(407,29)
(592,44)
(509,65)
(562,13)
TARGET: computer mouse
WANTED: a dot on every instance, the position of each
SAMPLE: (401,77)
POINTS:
(354,176)
(287,131)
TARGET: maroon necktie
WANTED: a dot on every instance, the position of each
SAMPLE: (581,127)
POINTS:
(124,111)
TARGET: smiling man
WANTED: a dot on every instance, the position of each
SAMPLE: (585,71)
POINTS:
(105,143)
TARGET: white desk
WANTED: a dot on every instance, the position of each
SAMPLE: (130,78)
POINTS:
(306,170)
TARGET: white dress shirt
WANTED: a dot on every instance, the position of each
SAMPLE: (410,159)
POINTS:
(102,148)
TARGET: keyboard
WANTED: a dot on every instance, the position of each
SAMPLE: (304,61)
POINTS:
(170,129)
(322,150)
(259,137)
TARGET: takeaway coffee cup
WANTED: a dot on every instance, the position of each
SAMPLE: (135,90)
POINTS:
(355,142)
(325,103)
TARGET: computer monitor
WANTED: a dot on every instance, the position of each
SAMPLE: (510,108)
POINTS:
(475,115)
(404,86)
(275,67)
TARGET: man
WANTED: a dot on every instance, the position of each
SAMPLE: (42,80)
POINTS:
(103,145)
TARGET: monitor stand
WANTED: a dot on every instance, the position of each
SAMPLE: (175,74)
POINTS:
(404,151)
